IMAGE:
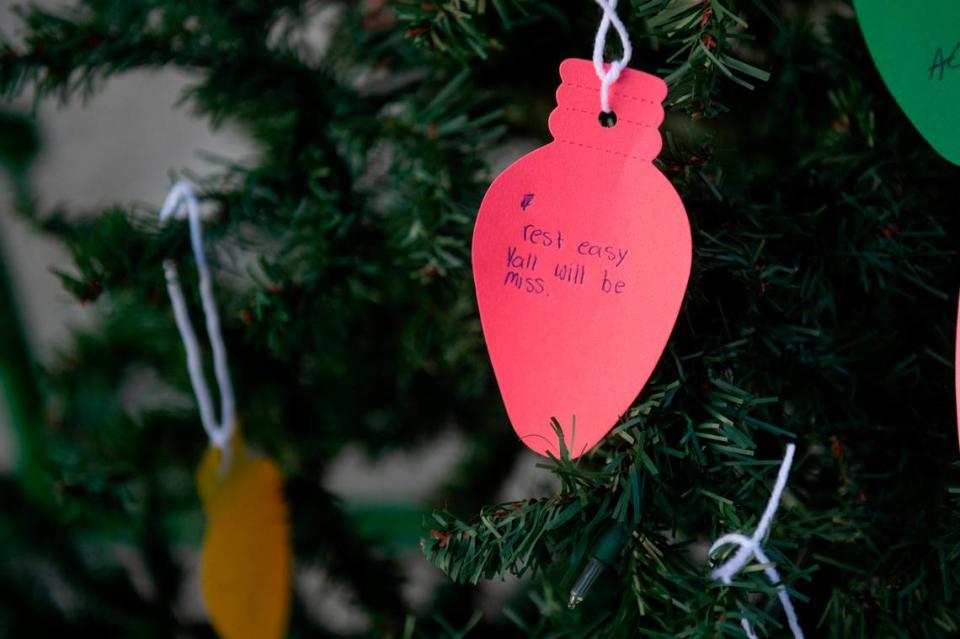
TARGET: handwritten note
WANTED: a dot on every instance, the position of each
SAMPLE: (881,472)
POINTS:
(567,265)
(916,47)
(581,254)
(941,64)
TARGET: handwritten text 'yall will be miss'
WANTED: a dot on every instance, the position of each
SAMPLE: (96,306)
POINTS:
(581,264)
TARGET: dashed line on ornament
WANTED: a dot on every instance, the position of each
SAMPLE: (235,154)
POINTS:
(619,120)
(597,148)
(613,92)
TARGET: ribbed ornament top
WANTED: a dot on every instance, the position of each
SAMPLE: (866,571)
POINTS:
(636,99)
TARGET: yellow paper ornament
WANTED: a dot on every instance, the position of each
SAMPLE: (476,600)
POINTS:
(246,561)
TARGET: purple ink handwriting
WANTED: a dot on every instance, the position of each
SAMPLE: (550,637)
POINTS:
(572,267)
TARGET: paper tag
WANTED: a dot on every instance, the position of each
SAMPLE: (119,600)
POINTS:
(581,255)
(246,558)
(916,47)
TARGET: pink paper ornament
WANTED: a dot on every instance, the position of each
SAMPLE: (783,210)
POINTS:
(581,255)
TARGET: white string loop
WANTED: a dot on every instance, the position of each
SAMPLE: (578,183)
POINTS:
(182,203)
(609,76)
(752,547)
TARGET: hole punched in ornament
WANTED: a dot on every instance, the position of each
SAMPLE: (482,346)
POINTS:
(607,119)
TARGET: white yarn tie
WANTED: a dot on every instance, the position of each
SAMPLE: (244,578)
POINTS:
(182,203)
(752,547)
(609,75)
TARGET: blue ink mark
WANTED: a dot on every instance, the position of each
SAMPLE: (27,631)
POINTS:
(526,201)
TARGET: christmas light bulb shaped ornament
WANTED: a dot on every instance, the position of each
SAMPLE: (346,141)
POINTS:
(581,255)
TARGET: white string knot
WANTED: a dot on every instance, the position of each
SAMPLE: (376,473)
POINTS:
(609,75)
(752,547)
(182,203)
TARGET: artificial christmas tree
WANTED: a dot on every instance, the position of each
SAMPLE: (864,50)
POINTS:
(820,310)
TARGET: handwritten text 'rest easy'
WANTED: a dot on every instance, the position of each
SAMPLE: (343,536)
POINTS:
(540,237)
(572,263)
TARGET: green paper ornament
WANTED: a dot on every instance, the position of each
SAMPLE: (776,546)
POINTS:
(916,47)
